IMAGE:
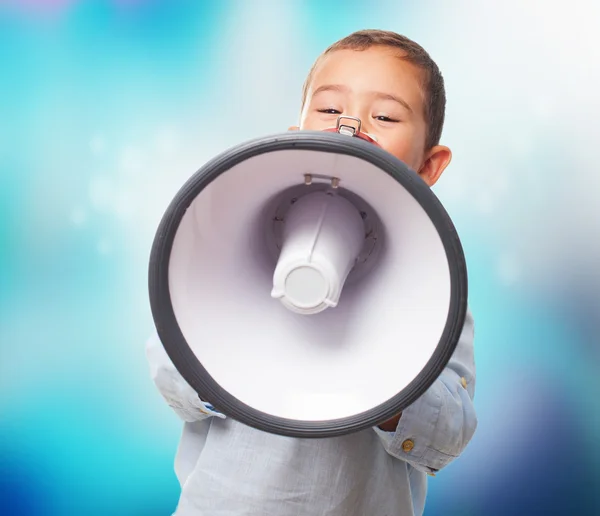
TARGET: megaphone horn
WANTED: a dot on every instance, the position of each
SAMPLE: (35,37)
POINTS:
(309,283)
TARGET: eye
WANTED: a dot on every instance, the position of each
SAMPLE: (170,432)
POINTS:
(383,118)
(329,111)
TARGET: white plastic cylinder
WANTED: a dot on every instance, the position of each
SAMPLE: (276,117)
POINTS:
(323,235)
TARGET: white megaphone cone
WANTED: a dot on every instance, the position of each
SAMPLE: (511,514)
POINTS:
(308,283)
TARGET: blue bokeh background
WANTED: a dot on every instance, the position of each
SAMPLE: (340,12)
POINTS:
(106,107)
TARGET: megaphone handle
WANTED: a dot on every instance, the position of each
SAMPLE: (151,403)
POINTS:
(348,129)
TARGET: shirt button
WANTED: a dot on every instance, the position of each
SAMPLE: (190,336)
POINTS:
(408,445)
(463,382)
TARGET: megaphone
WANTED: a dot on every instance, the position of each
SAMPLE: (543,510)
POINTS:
(308,284)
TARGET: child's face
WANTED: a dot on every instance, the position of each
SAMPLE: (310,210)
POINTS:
(384,92)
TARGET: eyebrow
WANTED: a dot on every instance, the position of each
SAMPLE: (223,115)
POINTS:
(395,98)
(340,88)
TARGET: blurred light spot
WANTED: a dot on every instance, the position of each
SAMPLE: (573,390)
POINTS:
(508,269)
(97,145)
(131,161)
(78,217)
(125,206)
(101,192)
(251,80)
(104,247)
(167,141)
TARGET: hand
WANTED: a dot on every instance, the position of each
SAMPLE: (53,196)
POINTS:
(207,408)
(391,424)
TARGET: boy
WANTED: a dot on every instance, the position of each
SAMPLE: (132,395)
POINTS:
(227,469)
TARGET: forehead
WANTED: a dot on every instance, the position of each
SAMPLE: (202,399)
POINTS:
(376,68)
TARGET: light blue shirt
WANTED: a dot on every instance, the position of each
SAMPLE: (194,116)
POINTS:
(229,469)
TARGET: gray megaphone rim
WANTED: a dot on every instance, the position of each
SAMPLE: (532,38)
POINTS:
(188,364)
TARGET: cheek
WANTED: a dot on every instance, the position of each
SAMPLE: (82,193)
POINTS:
(406,144)
(403,149)
(313,122)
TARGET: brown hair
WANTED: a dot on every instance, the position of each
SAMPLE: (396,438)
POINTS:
(433,82)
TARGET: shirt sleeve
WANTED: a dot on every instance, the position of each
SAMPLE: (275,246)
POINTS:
(436,428)
(178,394)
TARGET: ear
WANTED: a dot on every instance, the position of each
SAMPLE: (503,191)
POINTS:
(293,128)
(436,161)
